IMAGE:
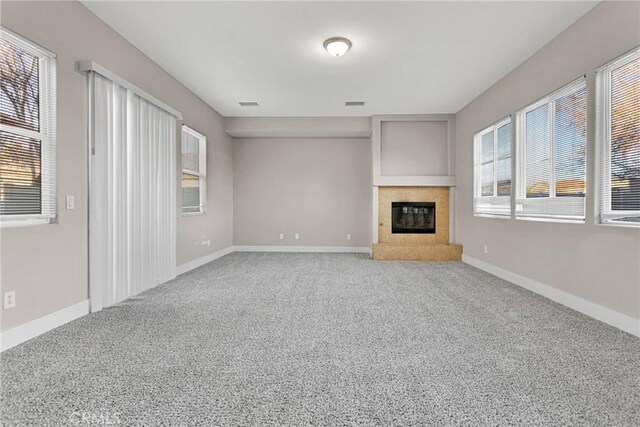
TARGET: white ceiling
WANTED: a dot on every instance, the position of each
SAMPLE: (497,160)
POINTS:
(409,57)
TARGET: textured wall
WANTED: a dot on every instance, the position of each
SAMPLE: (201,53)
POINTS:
(47,265)
(595,262)
(318,187)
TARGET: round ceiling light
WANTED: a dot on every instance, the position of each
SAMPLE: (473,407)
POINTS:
(337,46)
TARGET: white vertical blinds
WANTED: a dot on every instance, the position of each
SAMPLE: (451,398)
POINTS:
(27,132)
(132,196)
(492,176)
(618,133)
(552,156)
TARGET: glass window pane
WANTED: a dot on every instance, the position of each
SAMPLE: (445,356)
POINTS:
(537,152)
(190,193)
(20,177)
(504,160)
(487,147)
(20,91)
(190,152)
(625,138)
(487,164)
(571,143)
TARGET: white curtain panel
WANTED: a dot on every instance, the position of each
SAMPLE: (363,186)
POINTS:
(133,194)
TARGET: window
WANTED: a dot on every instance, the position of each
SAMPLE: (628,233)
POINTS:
(618,136)
(194,155)
(27,132)
(551,147)
(492,174)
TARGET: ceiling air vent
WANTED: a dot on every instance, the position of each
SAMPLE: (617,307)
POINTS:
(354,104)
(248,104)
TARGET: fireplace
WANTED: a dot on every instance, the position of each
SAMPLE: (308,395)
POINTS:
(413,217)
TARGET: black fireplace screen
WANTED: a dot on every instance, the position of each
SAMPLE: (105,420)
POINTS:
(413,217)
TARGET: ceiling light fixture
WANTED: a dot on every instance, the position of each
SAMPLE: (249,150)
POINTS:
(337,46)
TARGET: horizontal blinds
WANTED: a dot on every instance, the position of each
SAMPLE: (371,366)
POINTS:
(537,155)
(190,193)
(190,152)
(193,170)
(619,133)
(20,94)
(487,164)
(552,147)
(570,133)
(20,175)
(503,166)
(27,130)
(625,137)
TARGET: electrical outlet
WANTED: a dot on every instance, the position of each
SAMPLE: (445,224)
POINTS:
(70,202)
(206,243)
(297,236)
(9,299)
(348,236)
(281,236)
(486,249)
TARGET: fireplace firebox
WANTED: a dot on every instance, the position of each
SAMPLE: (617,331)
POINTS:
(413,217)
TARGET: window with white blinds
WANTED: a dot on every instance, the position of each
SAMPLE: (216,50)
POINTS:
(492,171)
(27,132)
(194,162)
(551,147)
(618,139)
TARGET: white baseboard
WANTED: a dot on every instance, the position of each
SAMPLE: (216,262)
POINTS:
(591,309)
(14,336)
(181,269)
(333,249)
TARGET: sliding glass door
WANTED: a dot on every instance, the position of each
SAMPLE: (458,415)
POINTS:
(132,206)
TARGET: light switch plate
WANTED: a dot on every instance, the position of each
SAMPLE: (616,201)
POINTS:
(71,202)
(281,236)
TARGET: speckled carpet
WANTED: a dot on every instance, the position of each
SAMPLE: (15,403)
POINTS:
(327,339)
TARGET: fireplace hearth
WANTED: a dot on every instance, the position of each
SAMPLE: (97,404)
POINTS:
(413,217)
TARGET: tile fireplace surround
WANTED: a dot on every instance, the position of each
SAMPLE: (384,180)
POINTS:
(403,246)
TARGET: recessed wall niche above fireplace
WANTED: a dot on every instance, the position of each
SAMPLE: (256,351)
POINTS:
(413,217)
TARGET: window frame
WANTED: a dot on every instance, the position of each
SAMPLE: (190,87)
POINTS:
(477,173)
(201,174)
(46,133)
(604,214)
(520,186)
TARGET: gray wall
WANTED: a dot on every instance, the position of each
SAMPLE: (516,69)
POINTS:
(318,187)
(47,265)
(414,148)
(595,262)
(298,127)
